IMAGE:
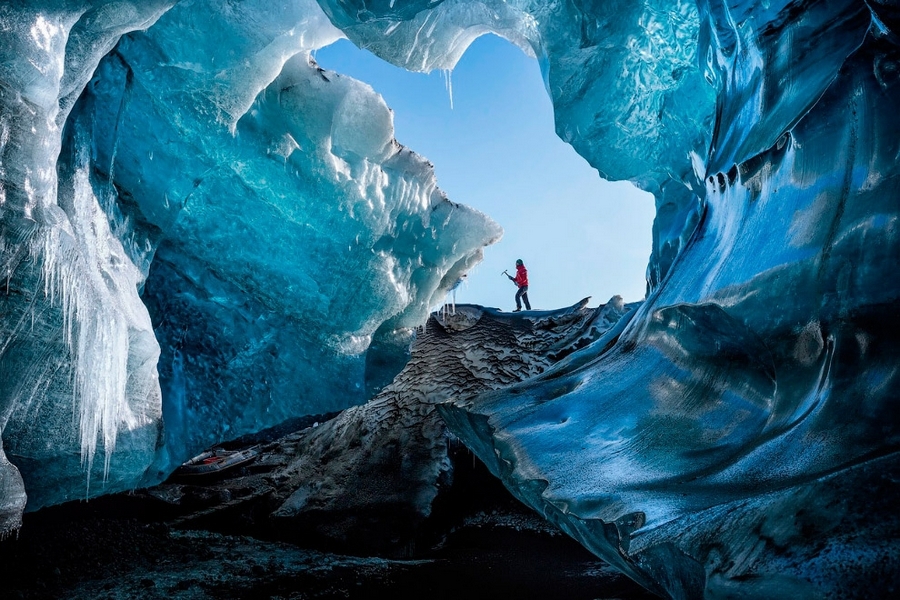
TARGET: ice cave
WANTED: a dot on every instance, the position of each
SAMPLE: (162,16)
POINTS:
(205,235)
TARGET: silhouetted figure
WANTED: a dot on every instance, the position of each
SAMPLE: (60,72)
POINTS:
(521,280)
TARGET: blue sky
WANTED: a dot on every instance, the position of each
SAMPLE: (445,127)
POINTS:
(496,150)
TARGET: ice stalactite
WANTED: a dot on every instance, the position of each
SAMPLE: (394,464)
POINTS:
(109,350)
(49,361)
(448,83)
(100,311)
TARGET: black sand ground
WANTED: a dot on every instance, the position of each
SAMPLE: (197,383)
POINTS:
(121,548)
(479,543)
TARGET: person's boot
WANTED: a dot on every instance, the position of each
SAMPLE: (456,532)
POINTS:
(518,309)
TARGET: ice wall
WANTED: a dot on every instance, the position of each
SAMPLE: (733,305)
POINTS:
(739,439)
(294,224)
(77,353)
(259,203)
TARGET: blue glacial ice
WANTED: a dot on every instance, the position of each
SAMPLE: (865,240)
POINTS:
(737,440)
(259,203)
(77,372)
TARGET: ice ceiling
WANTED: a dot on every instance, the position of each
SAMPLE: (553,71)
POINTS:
(202,233)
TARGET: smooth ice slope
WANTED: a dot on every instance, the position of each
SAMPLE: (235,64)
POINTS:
(261,204)
(740,438)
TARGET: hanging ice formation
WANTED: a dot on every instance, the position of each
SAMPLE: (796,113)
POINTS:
(448,83)
(195,153)
(736,438)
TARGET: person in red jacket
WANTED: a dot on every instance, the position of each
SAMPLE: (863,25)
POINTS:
(521,280)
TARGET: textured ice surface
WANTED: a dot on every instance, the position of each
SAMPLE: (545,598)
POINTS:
(260,204)
(367,479)
(77,352)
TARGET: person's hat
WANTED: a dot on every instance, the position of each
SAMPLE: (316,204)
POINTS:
(519,262)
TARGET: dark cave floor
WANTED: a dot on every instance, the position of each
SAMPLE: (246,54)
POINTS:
(481,543)
(100,550)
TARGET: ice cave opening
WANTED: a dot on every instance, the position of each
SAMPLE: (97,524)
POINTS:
(491,137)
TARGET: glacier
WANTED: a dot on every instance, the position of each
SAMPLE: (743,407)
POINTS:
(260,204)
(204,233)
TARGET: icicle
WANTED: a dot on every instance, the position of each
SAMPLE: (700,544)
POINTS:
(453,288)
(95,328)
(448,83)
